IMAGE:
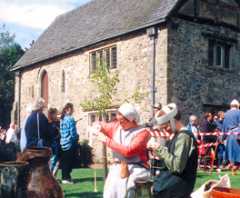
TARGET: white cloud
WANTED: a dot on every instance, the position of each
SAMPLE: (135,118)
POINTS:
(34,13)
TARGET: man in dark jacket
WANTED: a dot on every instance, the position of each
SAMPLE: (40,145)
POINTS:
(37,128)
(208,126)
(179,157)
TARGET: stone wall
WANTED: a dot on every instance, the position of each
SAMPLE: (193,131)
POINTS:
(192,82)
(134,56)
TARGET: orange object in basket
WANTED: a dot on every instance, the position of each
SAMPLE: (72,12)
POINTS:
(225,193)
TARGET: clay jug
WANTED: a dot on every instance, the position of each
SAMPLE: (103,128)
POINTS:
(13,179)
(41,183)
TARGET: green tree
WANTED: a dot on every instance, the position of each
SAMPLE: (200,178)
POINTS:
(105,82)
(10,52)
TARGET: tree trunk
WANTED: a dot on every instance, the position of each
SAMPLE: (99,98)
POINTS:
(104,150)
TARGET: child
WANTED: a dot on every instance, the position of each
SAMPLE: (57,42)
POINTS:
(55,139)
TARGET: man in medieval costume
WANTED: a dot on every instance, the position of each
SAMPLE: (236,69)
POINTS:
(231,127)
(128,142)
(178,173)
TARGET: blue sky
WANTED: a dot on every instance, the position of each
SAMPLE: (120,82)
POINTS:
(27,19)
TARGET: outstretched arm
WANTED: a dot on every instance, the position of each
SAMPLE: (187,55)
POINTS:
(109,128)
(138,144)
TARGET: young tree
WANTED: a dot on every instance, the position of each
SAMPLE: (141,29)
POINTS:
(105,82)
(10,52)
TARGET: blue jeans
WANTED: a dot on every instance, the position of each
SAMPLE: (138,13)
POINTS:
(55,157)
(53,162)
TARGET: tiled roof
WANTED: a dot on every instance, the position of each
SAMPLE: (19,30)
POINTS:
(93,22)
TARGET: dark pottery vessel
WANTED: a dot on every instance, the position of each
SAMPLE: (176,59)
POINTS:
(41,183)
(13,179)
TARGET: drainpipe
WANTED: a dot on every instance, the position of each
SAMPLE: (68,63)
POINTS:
(19,76)
(152,33)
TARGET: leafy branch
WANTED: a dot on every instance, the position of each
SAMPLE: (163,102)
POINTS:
(105,83)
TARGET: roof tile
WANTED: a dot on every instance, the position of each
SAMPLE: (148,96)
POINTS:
(94,22)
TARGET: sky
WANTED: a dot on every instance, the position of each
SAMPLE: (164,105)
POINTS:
(27,19)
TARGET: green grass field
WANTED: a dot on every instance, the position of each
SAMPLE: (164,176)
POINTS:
(84,183)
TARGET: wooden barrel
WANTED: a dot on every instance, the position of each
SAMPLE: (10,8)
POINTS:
(225,193)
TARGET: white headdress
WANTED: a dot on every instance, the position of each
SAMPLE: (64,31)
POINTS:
(170,111)
(129,111)
(234,103)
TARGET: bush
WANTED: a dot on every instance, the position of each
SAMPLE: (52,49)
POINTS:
(8,152)
(83,156)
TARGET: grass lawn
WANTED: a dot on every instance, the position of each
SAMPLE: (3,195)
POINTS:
(84,187)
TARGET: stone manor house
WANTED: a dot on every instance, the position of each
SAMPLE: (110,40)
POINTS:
(183,51)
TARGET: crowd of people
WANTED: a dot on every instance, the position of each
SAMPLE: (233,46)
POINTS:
(56,131)
(174,145)
(218,135)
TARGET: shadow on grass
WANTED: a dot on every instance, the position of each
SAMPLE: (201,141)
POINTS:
(84,195)
(86,179)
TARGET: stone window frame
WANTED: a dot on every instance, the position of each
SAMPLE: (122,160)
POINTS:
(227,43)
(226,50)
(105,54)
(219,54)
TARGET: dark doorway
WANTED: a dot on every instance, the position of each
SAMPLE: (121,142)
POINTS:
(215,108)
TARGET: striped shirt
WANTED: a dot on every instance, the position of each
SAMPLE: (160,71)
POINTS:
(68,131)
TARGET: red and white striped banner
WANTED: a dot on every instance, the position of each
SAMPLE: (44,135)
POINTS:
(207,145)
(217,133)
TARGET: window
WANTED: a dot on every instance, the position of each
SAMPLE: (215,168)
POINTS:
(100,57)
(93,62)
(44,86)
(113,57)
(219,54)
(113,115)
(108,117)
(106,56)
(63,83)
(92,118)
(31,92)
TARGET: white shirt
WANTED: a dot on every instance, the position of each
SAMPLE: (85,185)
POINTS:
(11,136)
